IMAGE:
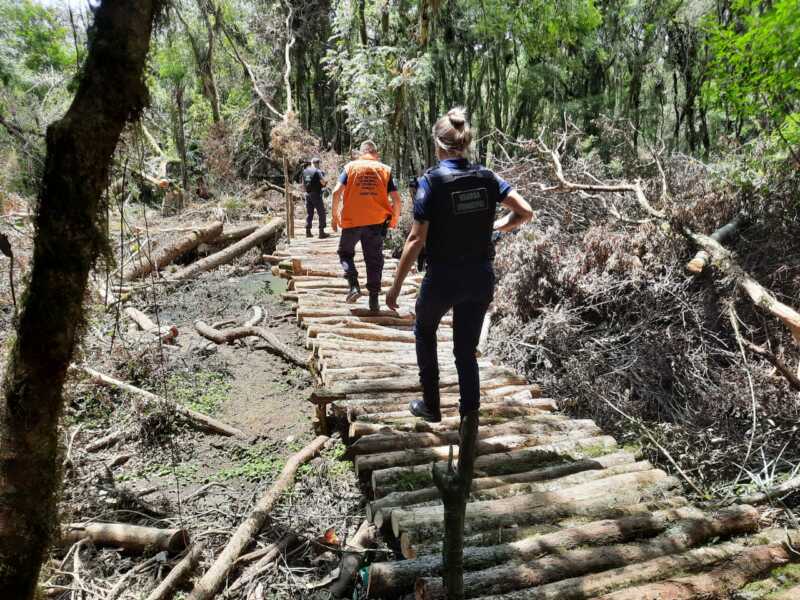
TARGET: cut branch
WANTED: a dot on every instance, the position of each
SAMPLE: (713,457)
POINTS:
(227,336)
(204,421)
(207,587)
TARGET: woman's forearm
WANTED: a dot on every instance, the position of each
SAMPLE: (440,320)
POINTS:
(409,257)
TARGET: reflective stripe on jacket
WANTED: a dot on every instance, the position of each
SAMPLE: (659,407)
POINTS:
(366,196)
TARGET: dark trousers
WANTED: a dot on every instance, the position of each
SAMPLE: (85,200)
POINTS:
(315,202)
(371,238)
(468,289)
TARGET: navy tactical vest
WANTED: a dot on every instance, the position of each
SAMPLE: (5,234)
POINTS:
(464,204)
(312,180)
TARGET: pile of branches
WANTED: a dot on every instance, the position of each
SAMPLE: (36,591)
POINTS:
(594,301)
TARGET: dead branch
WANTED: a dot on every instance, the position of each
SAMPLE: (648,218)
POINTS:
(181,571)
(722,257)
(164,333)
(229,335)
(149,398)
(206,588)
(266,556)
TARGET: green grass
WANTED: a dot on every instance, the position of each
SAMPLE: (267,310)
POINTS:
(253,464)
(203,391)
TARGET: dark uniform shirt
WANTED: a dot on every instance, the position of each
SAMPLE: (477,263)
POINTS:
(312,179)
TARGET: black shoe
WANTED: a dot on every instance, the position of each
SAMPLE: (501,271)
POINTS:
(374,302)
(308,232)
(323,235)
(355,292)
(418,408)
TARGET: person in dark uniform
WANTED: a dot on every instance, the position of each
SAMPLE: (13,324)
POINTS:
(454,216)
(314,181)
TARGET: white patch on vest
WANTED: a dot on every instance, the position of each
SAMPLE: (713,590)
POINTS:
(470,201)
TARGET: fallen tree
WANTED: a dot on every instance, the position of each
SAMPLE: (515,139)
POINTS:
(260,236)
(212,580)
(147,263)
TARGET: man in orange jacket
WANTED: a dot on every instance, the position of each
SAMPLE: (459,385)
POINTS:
(365,205)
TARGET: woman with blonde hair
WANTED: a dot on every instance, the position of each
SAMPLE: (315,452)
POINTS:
(454,216)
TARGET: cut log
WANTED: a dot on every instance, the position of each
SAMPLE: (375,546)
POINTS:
(145,323)
(228,237)
(150,399)
(399,576)
(145,264)
(416,544)
(387,442)
(528,509)
(260,236)
(361,428)
(209,584)
(719,582)
(685,535)
(365,464)
(274,345)
(383,480)
(179,573)
(485,488)
(122,535)
(721,235)
(591,586)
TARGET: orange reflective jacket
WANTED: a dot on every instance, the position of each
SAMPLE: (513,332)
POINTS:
(366,196)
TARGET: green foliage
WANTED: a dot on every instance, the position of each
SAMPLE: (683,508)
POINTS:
(756,70)
(253,463)
(32,37)
(203,391)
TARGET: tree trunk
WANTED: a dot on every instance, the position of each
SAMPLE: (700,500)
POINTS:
(69,239)
(454,486)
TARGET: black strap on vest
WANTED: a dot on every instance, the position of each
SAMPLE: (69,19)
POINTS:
(463,208)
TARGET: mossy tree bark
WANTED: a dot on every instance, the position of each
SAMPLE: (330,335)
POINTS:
(111,91)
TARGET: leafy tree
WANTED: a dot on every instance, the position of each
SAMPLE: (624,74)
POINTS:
(756,71)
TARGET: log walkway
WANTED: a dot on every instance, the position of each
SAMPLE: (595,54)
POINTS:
(558,510)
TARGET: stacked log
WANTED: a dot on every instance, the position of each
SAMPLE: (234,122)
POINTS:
(556,509)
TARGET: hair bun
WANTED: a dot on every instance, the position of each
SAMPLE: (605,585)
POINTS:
(457,117)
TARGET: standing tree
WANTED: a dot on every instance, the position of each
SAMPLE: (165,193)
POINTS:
(69,238)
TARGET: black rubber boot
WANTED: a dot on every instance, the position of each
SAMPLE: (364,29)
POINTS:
(355,290)
(308,232)
(323,235)
(374,302)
